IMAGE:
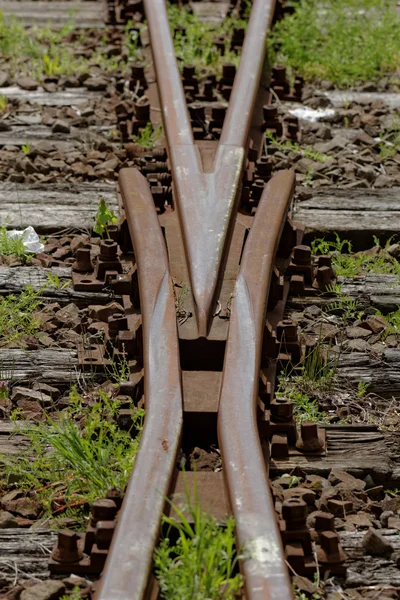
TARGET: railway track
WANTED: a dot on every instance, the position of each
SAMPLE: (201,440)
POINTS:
(234,252)
(203,260)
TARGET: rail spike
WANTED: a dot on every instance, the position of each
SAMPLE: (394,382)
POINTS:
(207,202)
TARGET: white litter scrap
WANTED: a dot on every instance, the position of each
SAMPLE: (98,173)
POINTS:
(31,240)
(311,114)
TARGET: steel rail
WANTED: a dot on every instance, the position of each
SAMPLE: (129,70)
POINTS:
(244,464)
(129,561)
(207,202)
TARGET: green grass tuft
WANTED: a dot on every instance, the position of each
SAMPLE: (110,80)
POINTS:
(17,315)
(201,564)
(346,41)
(79,456)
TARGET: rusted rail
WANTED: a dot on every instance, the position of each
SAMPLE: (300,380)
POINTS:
(206,199)
(130,556)
(244,463)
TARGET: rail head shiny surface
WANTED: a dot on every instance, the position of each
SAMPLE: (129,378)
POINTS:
(129,562)
(244,465)
(207,202)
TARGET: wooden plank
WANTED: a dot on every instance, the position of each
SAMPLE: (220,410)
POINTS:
(83,14)
(57,366)
(25,553)
(53,207)
(380,291)
(356,214)
(14,279)
(70,97)
(359,453)
(382,373)
(211,12)
(78,139)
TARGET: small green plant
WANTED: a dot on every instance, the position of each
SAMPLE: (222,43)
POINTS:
(3,102)
(119,370)
(3,390)
(104,217)
(148,137)
(26,148)
(132,41)
(75,595)
(17,314)
(56,282)
(317,595)
(390,140)
(394,492)
(348,308)
(293,480)
(347,264)
(362,388)
(201,564)
(195,40)
(180,298)
(51,65)
(346,42)
(295,147)
(312,379)
(12,246)
(78,455)
(393,319)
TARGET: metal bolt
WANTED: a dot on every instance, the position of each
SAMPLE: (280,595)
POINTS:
(324,521)
(294,513)
(82,263)
(286,331)
(309,441)
(67,550)
(329,541)
(102,510)
(281,409)
(108,249)
(302,255)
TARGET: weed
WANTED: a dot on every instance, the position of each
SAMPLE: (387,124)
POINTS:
(17,314)
(55,281)
(201,564)
(347,307)
(131,41)
(26,148)
(194,39)
(12,246)
(104,217)
(77,458)
(313,378)
(41,52)
(3,390)
(362,389)
(75,595)
(180,298)
(318,595)
(294,147)
(348,264)
(293,480)
(346,42)
(119,369)
(390,140)
(3,102)
(148,136)
(394,492)
(393,318)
